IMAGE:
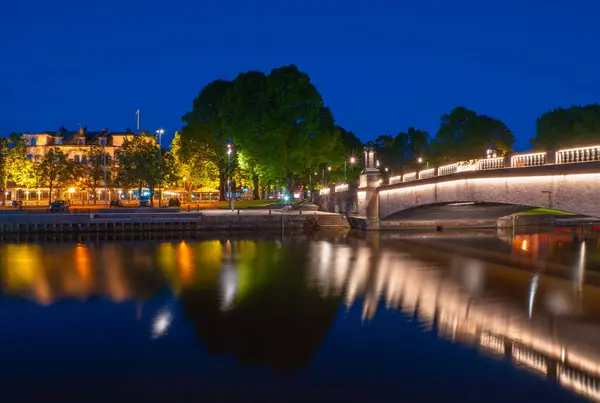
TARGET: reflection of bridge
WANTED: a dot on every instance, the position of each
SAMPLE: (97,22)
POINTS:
(555,347)
(566,180)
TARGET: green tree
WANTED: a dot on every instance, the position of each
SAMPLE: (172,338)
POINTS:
(248,106)
(464,134)
(139,164)
(92,172)
(55,172)
(299,127)
(197,172)
(203,135)
(14,164)
(571,127)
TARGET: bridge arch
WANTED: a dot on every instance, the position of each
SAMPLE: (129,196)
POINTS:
(573,192)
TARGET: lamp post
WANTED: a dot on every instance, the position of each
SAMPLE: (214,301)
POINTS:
(352,162)
(420,161)
(231,198)
(160,132)
(105,184)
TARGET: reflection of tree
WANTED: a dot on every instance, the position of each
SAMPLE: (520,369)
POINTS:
(280,321)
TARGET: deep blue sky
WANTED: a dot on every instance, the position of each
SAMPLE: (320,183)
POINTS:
(381,65)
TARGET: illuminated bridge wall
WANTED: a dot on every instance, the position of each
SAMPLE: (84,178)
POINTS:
(574,188)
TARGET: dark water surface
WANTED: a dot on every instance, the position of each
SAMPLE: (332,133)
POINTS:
(469,317)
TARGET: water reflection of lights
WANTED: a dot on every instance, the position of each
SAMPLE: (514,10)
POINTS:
(161,323)
(229,284)
(432,295)
(532,290)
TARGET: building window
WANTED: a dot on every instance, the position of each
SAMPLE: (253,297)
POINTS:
(102,142)
(33,142)
(58,141)
(30,157)
(37,159)
(76,159)
(84,160)
(81,142)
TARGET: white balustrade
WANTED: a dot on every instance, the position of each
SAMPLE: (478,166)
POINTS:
(490,163)
(395,179)
(582,154)
(341,188)
(409,177)
(528,160)
(324,191)
(427,173)
(447,169)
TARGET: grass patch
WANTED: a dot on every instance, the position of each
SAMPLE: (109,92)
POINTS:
(542,210)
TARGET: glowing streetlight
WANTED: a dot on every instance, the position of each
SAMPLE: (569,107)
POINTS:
(329,168)
(420,160)
(352,162)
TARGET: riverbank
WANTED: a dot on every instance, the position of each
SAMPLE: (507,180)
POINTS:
(166,220)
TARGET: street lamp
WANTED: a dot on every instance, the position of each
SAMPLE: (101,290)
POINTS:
(231,197)
(160,132)
(352,162)
(420,161)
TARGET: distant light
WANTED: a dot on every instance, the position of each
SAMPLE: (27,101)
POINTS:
(316,173)
(329,168)
(386,169)
(420,160)
(161,323)
(352,160)
(296,195)
(286,197)
(229,151)
(71,190)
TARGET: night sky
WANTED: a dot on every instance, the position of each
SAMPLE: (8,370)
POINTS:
(381,65)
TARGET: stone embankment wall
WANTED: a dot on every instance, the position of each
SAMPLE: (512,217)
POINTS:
(338,202)
(75,223)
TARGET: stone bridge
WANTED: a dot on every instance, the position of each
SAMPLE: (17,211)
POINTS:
(567,180)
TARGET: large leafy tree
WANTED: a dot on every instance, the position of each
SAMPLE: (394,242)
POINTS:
(197,172)
(464,134)
(14,164)
(92,172)
(203,136)
(56,172)
(247,109)
(574,126)
(300,128)
(139,164)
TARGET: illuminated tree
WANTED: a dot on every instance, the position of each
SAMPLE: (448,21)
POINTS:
(92,171)
(14,164)
(55,171)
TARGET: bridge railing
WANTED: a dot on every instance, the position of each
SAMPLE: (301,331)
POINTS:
(395,179)
(409,177)
(566,156)
(427,173)
(528,160)
(490,163)
(447,169)
(582,154)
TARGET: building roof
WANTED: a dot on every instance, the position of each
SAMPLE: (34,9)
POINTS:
(91,137)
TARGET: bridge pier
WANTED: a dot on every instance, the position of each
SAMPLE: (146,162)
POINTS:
(368,190)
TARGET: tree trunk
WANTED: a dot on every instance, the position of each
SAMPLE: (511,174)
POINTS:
(3,186)
(255,192)
(94,192)
(222,187)
(151,188)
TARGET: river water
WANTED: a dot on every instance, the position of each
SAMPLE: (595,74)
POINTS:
(472,316)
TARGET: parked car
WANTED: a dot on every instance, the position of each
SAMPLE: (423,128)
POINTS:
(144,201)
(59,205)
(173,202)
(116,203)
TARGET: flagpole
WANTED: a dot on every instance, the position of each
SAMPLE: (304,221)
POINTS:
(138,120)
